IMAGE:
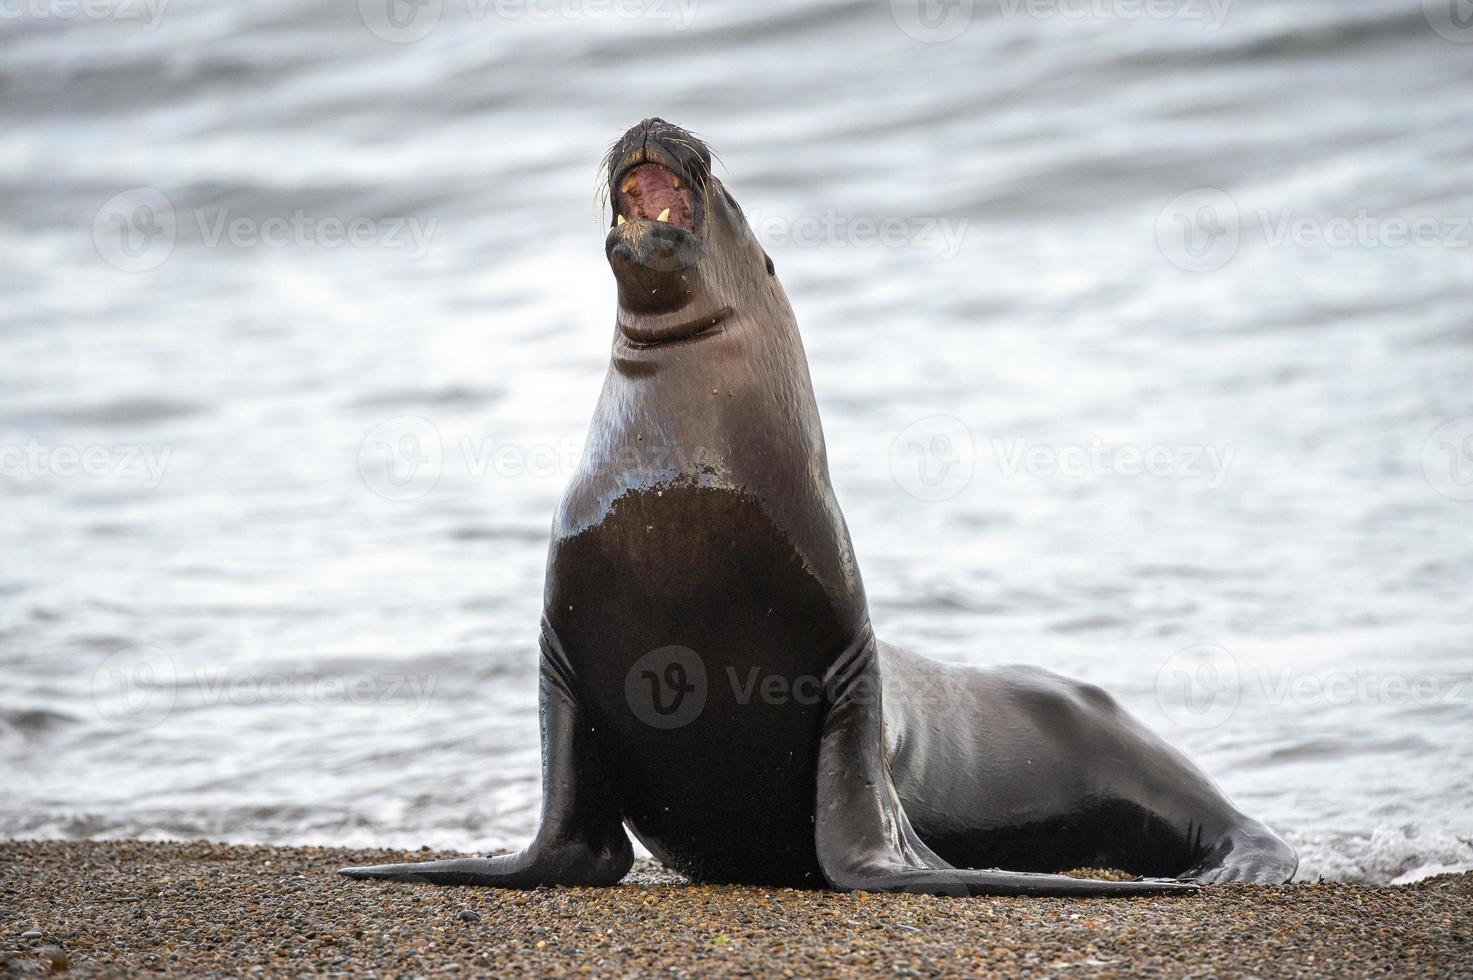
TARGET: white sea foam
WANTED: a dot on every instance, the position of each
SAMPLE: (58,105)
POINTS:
(1390,854)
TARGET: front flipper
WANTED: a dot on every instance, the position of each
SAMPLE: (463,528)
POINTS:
(865,841)
(522,870)
(581,840)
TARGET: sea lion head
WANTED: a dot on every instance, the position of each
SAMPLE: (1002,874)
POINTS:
(678,243)
(708,393)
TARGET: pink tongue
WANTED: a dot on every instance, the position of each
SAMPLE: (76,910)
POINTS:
(656,191)
(653,193)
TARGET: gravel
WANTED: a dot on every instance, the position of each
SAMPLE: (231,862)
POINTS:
(128,908)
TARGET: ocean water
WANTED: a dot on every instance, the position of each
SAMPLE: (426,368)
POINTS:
(1142,334)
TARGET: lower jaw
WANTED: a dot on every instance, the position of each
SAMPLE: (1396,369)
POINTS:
(656,269)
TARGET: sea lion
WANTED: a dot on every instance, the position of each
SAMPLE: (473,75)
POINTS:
(709,678)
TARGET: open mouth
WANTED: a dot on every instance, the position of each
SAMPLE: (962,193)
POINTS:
(654,192)
(655,246)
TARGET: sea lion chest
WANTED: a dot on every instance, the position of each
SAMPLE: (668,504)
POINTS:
(698,638)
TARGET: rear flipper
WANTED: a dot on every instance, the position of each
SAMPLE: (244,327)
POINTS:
(1249,853)
(581,840)
(864,839)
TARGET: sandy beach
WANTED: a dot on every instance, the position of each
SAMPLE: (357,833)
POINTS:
(210,910)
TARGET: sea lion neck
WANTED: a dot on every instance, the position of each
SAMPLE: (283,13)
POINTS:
(732,407)
(732,412)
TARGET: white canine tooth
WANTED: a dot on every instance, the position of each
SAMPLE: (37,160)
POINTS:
(664,215)
(622,219)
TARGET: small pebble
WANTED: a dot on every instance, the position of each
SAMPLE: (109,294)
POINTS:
(55,957)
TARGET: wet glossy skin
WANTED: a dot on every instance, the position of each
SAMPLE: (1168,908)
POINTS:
(729,795)
(710,680)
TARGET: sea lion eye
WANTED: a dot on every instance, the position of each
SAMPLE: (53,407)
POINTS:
(771,269)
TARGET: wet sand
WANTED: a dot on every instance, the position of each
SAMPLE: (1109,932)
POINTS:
(210,910)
